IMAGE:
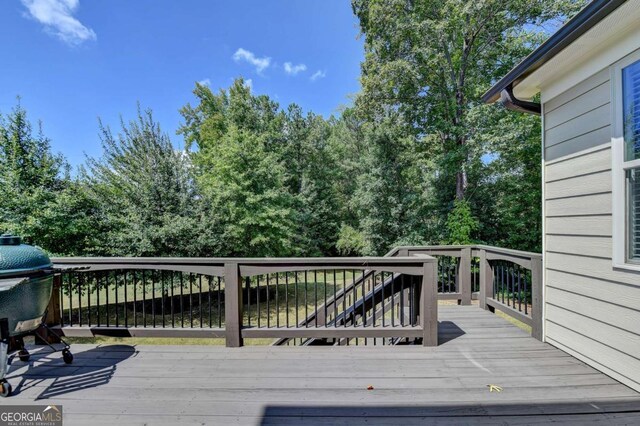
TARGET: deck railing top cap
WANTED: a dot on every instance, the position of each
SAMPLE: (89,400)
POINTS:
(246,261)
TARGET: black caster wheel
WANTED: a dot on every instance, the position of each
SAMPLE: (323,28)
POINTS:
(6,388)
(24,355)
(67,356)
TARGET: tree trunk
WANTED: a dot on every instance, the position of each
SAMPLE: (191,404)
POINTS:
(461,183)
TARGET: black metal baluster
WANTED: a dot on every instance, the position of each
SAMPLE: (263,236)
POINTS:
(393,299)
(126,315)
(344,297)
(81,279)
(364,311)
(70,298)
(297,302)
(209,293)
(373,299)
(315,286)
(79,302)
(306,301)
(154,277)
(355,297)
(190,299)
(268,302)
(335,306)
(220,302)
(277,301)
(200,298)
(286,296)
(519,292)
(247,285)
(181,299)
(402,291)
(162,280)
(97,280)
(325,296)
(144,297)
(106,290)
(115,281)
(258,298)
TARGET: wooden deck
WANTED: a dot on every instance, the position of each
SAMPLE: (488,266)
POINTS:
(122,384)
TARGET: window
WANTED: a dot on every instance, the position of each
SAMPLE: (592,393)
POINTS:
(625,78)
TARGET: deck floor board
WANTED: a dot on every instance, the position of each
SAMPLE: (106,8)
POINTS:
(122,384)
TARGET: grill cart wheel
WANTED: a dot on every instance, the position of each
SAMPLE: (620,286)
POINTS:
(67,356)
(6,388)
(24,355)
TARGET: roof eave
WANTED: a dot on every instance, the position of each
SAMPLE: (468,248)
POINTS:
(586,19)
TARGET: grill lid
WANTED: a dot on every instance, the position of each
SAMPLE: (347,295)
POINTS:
(20,259)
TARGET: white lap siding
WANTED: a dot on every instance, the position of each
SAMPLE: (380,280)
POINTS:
(592,310)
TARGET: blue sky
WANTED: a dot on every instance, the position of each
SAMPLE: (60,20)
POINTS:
(74,61)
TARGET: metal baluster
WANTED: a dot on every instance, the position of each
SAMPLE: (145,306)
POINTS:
(200,297)
(277,301)
(258,298)
(210,292)
(297,302)
(247,285)
(154,276)
(325,296)
(335,306)
(373,300)
(344,297)
(268,303)
(364,311)
(126,316)
(355,297)
(393,299)
(79,301)
(315,286)
(402,300)
(286,296)
(81,279)
(144,298)
(181,300)
(191,299)
(306,302)
(220,302)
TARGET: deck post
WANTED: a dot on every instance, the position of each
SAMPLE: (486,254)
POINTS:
(53,317)
(486,281)
(233,305)
(429,304)
(464,276)
(536,298)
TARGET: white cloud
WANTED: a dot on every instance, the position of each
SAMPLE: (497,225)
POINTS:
(291,69)
(57,18)
(249,83)
(244,55)
(205,82)
(317,75)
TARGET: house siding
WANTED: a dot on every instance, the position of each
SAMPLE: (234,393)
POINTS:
(592,310)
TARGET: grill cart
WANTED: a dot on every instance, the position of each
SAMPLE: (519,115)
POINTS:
(26,281)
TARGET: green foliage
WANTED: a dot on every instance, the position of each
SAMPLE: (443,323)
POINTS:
(461,224)
(145,192)
(417,159)
(351,242)
(241,175)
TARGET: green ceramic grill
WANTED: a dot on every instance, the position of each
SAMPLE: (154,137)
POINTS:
(26,281)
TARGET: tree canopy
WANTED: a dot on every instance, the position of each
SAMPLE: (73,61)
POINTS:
(416,159)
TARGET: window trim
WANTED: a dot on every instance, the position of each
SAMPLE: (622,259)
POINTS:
(619,167)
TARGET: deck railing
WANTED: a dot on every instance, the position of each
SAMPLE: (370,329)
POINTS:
(503,279)
(386,298)
(294,300)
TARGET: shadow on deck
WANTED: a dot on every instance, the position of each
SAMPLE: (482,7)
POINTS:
(447,384)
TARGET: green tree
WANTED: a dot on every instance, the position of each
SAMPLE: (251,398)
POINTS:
(431,61)
(145,189)
(238,139)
